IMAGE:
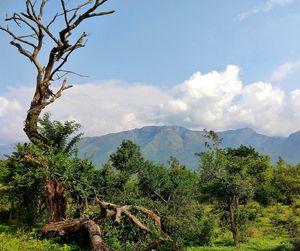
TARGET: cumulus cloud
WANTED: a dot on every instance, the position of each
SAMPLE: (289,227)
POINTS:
(264,7)
(214,100)
(219,101)
(200,101)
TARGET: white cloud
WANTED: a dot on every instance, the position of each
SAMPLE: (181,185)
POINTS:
(110,107)
(265,7)
(7,106)
(9,127)
(215,100)
(204,98)
(285,70)
(261,106)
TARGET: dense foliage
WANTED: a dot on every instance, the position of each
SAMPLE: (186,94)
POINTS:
(235,190)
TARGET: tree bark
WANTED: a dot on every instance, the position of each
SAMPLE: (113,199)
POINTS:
(95,236)
(56,200)
(31,122)
(234,229)
(72,226)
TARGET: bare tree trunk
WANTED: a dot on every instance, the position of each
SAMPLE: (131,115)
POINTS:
(56,200)
(234,229)
(31,124)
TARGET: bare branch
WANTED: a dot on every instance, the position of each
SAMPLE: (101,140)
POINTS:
(53,20)
(52,97)
(29,36)
(88,13)
(58,77)
(75,73)
(78,8)
(65,12)
(22,50)
(20,39)
(101,13)
(38,48)
(42,9)
(16,18)
(78,44)
(136,221)
(43,27)
(30,8)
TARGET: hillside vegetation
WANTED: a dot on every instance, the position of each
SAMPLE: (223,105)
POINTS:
(235,200)
(158,143)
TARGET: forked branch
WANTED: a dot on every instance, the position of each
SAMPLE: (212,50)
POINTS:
(31,44)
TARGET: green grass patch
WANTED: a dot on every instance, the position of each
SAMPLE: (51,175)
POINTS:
(254,244)
(12,239)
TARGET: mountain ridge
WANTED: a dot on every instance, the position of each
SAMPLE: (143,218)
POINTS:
(159,142)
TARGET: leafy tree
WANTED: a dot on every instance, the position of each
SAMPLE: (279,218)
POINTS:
(172,190)
(174,162)
(26,182)
(286,181)
(4,199)
(62,137)
(155,182)
(128,158)
(37,177)
(78,178)
(108,182)
(229,176)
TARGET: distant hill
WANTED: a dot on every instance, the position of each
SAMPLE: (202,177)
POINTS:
(159,142)
(6,149)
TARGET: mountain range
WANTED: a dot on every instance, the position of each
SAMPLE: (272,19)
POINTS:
(158,143)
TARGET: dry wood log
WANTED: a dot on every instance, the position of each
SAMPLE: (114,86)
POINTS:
(95,236)
(72,226)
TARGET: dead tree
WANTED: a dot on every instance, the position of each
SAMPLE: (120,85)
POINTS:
(30,45)
(35,33)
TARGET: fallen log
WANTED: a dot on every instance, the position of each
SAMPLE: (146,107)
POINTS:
(93,228)
(71,226)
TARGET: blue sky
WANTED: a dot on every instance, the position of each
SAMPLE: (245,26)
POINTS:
(161,45)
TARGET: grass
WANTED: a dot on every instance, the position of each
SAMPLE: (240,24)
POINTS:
(12,239)
(254,244)
(268,233)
